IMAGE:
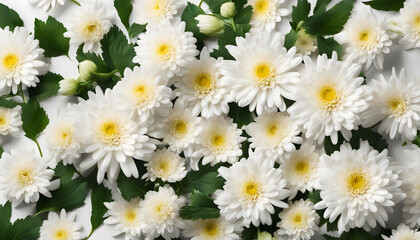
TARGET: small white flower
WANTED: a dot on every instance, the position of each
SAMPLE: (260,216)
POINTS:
(166,48)
(10,121)
(125,216)
(60,227)
(266,14)
(156,11)
(253,186)
(210,25)
(21,60)
(403,232)
(410,177)
(159,214)
(212,229)
(408,24)
(305,43)
(299,221)
(24,175)
(165,165)
(47,5)
(89,25)
(396,104)
(364,38)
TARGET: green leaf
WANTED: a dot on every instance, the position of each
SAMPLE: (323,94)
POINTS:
(240,115)
(8,17)
(65,173)
(243,17)
(99,195)
(134,187)
(1,151)
(215,5)
(330,22)
(386,5)
(51,37)
(205,180)
(321,5)
(250,233)
(290,39)
(124,9)
(68,196)
(97,59)
(201,206)
(375,139)
(27,228)
(228,37)
(315,196)
(34,119)
(8,103)
(136,29)
(328,46)
(417,140)
(300,13)
(47,87)
(356,234)
(117,52)
(5,214)
(191,24)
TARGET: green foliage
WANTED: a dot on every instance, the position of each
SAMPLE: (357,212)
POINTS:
(201,206)
(328,46)
(5,214)
(215,5)
(134,187)
(136,29)
(99,195)
(205,180)
(1,151)
(8,103)
(9,17)
(321,5)
(65,173)
(124,9)
(250,233)
(290,39)
(417,140)
(240,115)
(27,228)
(51,37)
(97,59)
(188,16)
(386,5)
(47,87)
(300,13)
(34,119)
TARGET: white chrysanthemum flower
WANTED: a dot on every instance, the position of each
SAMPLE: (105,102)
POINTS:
(156,11)
(358,186)
(144,92)
(47,5)
(212,229)
(89,25)
(329,98)
(300,168)
(112,136)
(410,177)
(165,165)
(219,141)
(166,48)
(274,132)
(60,227)
(201,89)
(125,216)
(159,214)
(305,43)
(21,60)
(63,138)
(253,186)
(403,232)
(10,121)
(408,24)
(364,38)
(298,222)
(23,176)
(266,14)
(396,104)
(263,73)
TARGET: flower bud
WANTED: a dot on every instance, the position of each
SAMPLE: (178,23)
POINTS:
(210,25)
(305,43)
(228,10)
(87,69)
(264,236)
(68,86)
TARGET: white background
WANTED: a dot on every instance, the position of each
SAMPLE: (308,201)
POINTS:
(68,69)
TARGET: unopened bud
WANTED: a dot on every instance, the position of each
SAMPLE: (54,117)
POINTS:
(68,86)
(87,69)
(210,25)
(228,10)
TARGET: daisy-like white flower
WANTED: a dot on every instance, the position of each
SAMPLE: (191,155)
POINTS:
(212,229)
(396,104)
(263,73)
(298,222)
(166,48)
(63,138)
(201,89)
(21,60)
(275,132)
(24,175)
(10,121)
(410,177)
(408,24)
(47,5)
(219,141)
(125,216)
(266,14)
(300,168)
(364,38)
(89,25)
(165,165)
(329,98)
(144,92)
(61,227)
(253,186)
(403,232)
(159,214)
(358,186)
(155,11)
(305,43)
(112,136)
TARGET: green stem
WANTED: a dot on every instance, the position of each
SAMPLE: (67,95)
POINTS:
(90,234)
(75,2)
(233,24)
(201,2)
(22,94)
(39,148)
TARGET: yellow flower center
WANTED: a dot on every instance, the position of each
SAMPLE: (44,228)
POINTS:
(204,83)
(364,36)
(25,176)
(163,168)
(357,183)
(217,141)
(179,128)
(142,92)
(130,215)
(11,61)
(252,190)
(165,51)
(298,220)
(261,7)
(64,136)
(3,120)
(162,211)
(301,167)
(398,105)
(110,132)
(264,74)
(92,31)
(416,23)
(61,235)
(329,97)
(272,130)
(210,229)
